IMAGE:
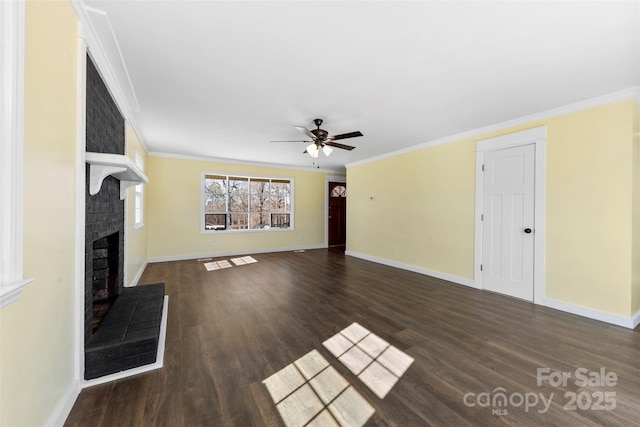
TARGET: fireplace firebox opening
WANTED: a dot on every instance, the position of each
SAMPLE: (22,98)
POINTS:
(105,276)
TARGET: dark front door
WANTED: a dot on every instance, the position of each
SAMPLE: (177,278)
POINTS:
(337,213)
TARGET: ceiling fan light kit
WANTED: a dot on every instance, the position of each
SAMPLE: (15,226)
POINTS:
(320,139)
(312,150)
(327,150)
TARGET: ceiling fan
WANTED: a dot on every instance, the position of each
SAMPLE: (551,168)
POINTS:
(320,140)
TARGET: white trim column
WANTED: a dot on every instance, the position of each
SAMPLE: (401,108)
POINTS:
(80,204)
(12,23)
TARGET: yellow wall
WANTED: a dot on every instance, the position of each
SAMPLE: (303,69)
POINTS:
(635,303)
(37,350)
(589,210)
(173,211)
(136,238)
(423,212)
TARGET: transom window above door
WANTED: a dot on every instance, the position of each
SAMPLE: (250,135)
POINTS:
(339,191)
(245,203)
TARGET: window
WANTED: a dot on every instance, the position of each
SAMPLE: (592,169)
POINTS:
(238,203)
(138,200)
(339,191)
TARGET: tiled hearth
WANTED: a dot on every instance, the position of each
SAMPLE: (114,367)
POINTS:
(130,334)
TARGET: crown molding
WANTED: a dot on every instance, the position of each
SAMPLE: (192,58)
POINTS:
(246,162)
(622,95)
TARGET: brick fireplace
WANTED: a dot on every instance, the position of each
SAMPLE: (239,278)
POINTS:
(104,212)
(122,326)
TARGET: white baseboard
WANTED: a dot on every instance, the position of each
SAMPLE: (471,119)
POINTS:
(231,253)
(626,322)
(444,276)
(62,411)
(136,279)
(635,319)
(159,363)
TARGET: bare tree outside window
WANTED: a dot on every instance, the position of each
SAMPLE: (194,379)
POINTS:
(215,202)
(281,202)
(260,203)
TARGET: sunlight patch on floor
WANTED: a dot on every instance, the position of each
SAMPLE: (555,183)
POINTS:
(374,361)
(218,265)
(310,392)
(244,260)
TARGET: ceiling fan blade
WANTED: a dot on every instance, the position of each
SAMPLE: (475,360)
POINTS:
(306,132)
(297,140)
(346,135)
(338,145)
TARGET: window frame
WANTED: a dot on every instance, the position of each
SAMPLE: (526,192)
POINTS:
(228,175)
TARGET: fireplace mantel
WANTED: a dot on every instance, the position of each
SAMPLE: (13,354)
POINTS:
(121,167)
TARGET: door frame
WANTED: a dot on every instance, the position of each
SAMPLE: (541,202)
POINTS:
(538,137)
(327,180)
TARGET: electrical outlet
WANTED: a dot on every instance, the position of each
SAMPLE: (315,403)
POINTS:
(211,243)
(301,237)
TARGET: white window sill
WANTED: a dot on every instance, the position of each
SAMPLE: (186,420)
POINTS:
(10,292)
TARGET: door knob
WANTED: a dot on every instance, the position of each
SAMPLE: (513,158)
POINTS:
(527,230)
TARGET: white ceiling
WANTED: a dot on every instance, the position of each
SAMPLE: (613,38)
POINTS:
(223,78)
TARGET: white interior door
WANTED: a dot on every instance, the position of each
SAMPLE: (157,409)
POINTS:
(507,221)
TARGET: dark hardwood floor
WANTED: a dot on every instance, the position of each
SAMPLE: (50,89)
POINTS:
(230,329)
